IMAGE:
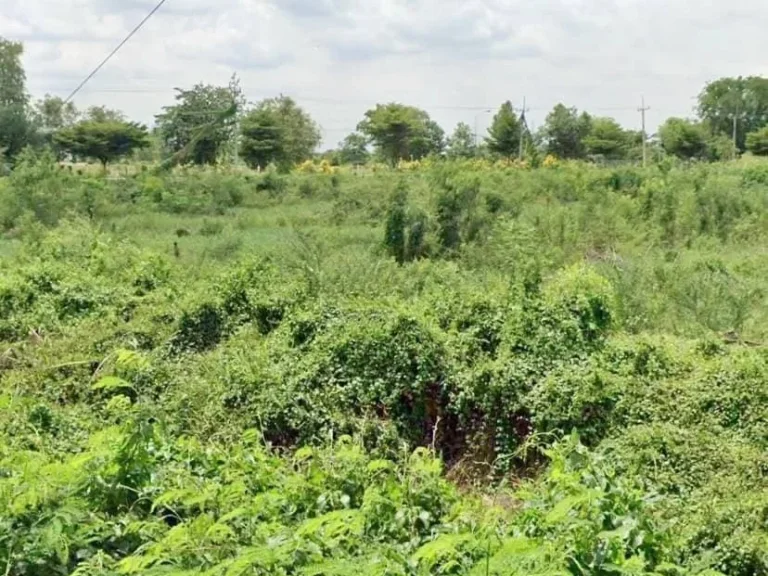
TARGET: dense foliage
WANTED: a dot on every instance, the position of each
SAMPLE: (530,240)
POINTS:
(505,132)
(15,129)
(102,141)
(278,132)
(401,132)
(757,142)
(455,369)
(742,99)
(195,126)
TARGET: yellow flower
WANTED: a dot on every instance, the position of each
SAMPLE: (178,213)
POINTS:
(549,161)
(306,167)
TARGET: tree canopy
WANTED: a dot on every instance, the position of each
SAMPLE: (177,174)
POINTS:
(209,124)
(12,76)
(606,139)
(103,141)
(51,113)
(199,110)
(278,131)
(683,138)
(746,99)
(461,143)
(399,132)
(354,149)
(504,132)
(102,114)
(432,141)
(564,132)
(15,128)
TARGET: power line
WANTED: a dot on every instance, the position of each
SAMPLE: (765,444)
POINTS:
(347,102)
(115,51)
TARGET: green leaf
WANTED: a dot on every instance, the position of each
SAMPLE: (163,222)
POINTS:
(109,383)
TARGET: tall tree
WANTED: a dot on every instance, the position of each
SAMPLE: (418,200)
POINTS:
(300,133)
(12,77)
(504,133)
(199,123)
(742,99)
(564,132)
(461,143)
(399,132)
(354,149)
(278,130)
(15,132)
(683,138)
(606,139)
(15,129)
(103,141)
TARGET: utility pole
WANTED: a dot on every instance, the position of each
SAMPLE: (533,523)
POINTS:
(523,128)
(643,109)
(735,131)
(477,128)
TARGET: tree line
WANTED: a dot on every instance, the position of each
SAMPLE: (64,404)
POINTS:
(211,124)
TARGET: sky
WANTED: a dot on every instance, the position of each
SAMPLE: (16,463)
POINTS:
(457,59)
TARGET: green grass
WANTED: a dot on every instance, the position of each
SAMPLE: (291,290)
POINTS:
(223,373)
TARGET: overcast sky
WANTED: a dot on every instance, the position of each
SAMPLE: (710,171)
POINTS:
(454,58)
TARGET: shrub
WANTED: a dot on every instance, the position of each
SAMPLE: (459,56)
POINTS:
(580,293)
(272,183)
(199,329)
(36,187)
(757,142)
(394,232)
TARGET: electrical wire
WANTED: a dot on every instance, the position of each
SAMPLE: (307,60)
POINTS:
(115,51)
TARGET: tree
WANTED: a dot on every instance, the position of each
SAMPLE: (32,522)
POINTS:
(504,133)
(15,129)
(300,133)
(746,99)
(198,121)
(102,114)
(564,132)
(431,141)
(354,149)
(104,141)
(398,132)
(684,138)
(757,142)
(606,139)
(12,77)
(51,113)
(278,131)
(261,139)
(15,132)
(461,144)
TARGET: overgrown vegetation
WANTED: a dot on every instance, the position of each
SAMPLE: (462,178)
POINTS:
(456,369)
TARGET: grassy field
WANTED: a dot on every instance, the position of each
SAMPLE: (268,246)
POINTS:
(451,369)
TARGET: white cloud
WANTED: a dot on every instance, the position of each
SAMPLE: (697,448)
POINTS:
(452,57)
